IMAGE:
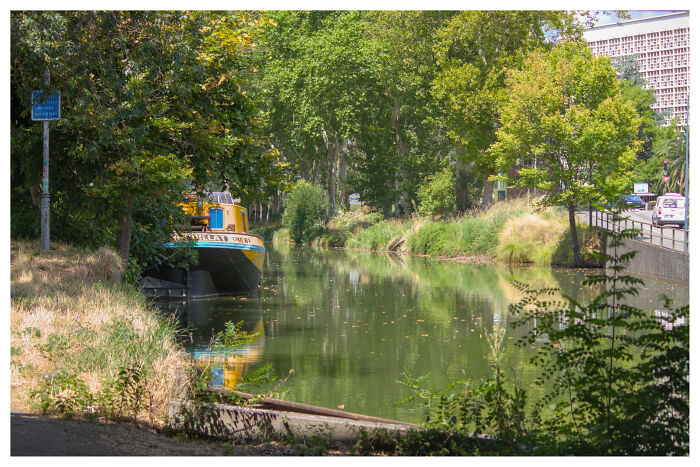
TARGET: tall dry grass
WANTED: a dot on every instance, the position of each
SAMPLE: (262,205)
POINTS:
(532,238)
(70,315)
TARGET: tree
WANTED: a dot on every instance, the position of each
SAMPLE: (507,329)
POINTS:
(410,143)
(304,212)
(673,150)
(151,100)
(567,128)
(318,79)
(473,51)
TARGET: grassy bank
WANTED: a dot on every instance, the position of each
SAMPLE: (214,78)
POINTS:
(82,343)
(514,231)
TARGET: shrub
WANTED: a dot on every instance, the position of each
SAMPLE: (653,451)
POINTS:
(435,238)
(437,195)
(531,238)
(304,212)
(379,235)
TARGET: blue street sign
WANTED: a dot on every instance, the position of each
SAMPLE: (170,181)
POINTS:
(46,106)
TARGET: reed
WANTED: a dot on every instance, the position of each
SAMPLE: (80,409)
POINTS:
(84,343)
(475,232)
(531,238)
(379,235)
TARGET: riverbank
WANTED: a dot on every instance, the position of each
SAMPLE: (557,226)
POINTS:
(93,367)
(511,232)
(84,344)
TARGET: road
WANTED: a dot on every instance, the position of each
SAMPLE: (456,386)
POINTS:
(671,237)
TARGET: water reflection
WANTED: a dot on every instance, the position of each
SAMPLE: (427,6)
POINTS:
(204,318)
(350,323)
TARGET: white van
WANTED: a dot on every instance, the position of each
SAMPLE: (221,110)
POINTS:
(669,209)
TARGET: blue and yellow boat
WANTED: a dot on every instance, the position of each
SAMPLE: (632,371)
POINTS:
(230,256)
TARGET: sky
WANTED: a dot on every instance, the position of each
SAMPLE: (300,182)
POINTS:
(634,14)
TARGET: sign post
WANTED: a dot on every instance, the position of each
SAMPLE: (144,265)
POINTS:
(45,107)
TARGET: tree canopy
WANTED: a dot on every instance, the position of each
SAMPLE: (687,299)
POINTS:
(153,106)
(567,128)
(368,102)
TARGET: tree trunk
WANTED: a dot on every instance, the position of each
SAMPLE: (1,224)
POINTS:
(125,226)
(332,147)
(332,181)
(344,196)
(276,202)
(578,258)
(487,195)
(401,200)
(461,186)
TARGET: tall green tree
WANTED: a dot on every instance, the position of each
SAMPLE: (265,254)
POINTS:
(150,101)
(318,80)
(411,141)
(568,129)
(473,51)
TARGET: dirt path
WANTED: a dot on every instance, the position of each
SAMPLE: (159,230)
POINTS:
(37,435)
(40,435)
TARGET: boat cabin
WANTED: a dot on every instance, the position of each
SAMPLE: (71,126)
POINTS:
(218,213)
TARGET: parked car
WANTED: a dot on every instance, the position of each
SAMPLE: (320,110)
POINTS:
(669,209)
(634,200)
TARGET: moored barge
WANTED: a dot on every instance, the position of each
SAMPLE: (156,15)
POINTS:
(230,256)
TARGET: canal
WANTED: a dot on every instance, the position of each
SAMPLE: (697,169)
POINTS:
(349,324)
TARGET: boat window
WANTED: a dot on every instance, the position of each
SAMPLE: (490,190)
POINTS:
(244,215)
(217,218)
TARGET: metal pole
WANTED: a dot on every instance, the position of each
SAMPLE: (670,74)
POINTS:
(45,204)
(687,174)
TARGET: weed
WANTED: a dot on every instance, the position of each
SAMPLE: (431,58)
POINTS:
(77,332)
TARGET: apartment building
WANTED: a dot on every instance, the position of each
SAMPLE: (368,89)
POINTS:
(662,46)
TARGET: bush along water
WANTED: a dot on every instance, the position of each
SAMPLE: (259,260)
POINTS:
(614,379)
(304,214)
(514,231)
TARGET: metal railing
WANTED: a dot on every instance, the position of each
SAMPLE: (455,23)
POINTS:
(664,237)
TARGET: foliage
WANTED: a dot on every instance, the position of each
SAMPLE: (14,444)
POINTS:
(567,129)
(304,213)
(435,238)
(99,350)
(232,338)
(619,374)
(474,233)
(538,238)
(673,149)
(149,100)
(378,236)
(437,195)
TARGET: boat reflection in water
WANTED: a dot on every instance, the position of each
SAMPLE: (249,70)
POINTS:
(203,319)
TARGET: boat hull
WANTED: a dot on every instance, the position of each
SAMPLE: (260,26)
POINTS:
(228,264)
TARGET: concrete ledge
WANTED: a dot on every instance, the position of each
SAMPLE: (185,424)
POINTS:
(244,423)
(657,262)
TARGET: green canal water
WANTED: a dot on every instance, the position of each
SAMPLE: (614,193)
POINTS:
(350,324)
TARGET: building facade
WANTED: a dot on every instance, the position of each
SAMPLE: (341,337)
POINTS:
(662,47)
